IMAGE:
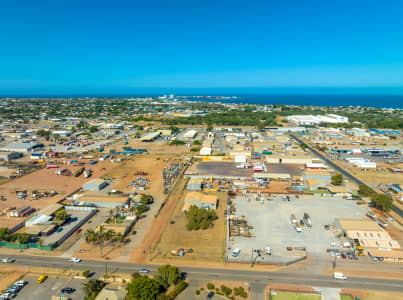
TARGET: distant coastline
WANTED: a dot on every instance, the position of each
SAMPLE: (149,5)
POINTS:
(379,101)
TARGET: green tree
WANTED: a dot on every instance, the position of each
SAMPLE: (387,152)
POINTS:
(62,215)
(167,275)
(4,234)
(199,218)
(143,288)
(146,199)
(141,209)
(92,288)
(196,143)
(93,129)
(383,202)
(337,179)
(365,191)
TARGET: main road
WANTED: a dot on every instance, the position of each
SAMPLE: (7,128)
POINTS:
(347,174)
(257,279)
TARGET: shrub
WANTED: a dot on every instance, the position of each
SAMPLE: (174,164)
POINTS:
(177,143)
(178,289)
(195,150)
(86,273)
(197,292)
(240,292)
(210,286)
(226,290)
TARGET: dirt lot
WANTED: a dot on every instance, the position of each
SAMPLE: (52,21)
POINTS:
(159,146)
(8,276)
(122,176)
(380,295)
(207,245)
(155,230)
(374,177)
(46,180)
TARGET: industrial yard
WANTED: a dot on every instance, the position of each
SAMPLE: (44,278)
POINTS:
(271,227)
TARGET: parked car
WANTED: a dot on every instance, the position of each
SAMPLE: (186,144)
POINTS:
(236,252)
(343,256)
(20,282)
(68,290)
(210,295)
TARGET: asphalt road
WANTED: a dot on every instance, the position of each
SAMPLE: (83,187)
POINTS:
(256,279)
(396,209)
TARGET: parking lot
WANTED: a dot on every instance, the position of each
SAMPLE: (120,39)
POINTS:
(272,226)
(50,287)
(220,168)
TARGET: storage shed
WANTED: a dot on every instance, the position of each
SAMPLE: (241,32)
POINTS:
(95,185)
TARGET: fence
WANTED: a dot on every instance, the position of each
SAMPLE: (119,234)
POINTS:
(25,246)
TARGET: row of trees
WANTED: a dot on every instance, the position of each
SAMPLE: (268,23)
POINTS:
(103,237)
(147,288)
(381,201)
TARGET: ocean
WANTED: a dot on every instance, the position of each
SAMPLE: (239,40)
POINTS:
(381,101)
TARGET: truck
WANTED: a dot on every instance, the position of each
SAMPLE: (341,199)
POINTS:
(307,220)
(61,171)
(52,166)
(87,173)
(338,275)
(78,172)
(295,224)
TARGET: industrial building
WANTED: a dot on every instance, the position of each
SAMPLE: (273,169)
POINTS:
(316,120)
(96,184)
(191,134)
(149,137)
(21,147)
(7,156)
(367,234)
(194,184)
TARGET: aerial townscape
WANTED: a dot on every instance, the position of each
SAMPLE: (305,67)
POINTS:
(201,150)
(212,199)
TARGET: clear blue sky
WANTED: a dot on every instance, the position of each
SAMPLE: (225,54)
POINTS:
(73,47)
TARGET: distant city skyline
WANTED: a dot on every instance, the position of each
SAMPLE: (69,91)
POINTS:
(201,47)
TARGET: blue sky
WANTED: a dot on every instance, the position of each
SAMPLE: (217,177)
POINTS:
(73,47)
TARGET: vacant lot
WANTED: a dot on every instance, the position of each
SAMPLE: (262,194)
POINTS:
(381,295)
(372,176)
(294,296)
(207,245)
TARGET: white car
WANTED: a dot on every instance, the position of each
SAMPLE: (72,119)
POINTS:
(8,260)
(338,255)
(75,260)
(20,283)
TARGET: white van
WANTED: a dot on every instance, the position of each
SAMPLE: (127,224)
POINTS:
(236,252)
(338,275)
